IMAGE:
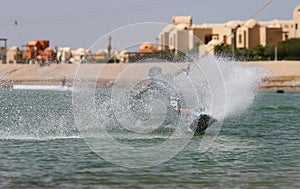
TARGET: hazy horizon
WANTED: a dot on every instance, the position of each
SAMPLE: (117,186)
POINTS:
(80,24)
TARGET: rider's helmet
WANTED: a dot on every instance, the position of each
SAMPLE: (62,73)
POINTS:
(154,71)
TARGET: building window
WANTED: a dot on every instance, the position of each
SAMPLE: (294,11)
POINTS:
(296,26)
(286,36)
(240,39)
(225,39)
(208,38)
(245,39)
(215,37)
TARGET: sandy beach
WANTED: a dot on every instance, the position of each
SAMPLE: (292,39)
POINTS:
(284,75)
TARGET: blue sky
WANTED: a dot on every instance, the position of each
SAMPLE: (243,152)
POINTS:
(80,23)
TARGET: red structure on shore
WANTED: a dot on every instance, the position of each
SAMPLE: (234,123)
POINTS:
(38,49)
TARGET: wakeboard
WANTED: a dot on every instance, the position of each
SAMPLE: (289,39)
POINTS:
(201,123)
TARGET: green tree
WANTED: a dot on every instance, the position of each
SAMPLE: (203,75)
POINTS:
(258,53)
(269,52)
(243,54)
(289,49)
(223,50)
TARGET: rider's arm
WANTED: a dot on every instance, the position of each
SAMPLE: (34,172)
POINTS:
(142,89)
(180,71)
(185,112)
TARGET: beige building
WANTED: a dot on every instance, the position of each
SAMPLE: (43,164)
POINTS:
(13,55)
(184,36)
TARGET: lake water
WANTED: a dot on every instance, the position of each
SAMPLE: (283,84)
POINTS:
(40,147)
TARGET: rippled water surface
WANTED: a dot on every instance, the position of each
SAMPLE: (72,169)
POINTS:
(40,147)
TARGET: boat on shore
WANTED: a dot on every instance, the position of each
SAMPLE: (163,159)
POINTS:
(5,83)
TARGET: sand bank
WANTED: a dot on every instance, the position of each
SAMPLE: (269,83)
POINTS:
(283,74)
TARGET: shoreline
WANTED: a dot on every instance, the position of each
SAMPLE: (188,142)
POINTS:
(285,75)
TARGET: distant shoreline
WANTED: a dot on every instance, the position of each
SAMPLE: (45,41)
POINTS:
(285,75)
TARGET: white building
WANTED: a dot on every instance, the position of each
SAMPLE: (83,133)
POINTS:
(183,35)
